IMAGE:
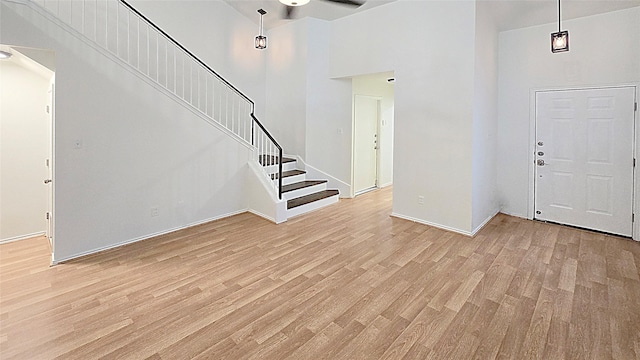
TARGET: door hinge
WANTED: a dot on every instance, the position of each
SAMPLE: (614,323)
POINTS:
(635,106)
(48,109)
(633,217)
(634,162)
(47,215)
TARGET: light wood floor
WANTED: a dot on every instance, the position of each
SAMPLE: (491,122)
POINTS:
(346,282)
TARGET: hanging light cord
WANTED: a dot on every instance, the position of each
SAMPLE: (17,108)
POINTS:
(261,27)
(559,27)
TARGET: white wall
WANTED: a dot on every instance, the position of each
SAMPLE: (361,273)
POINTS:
(329,114)
(286,84)
(430,47)
(24,147)
(378,86)
(218,35)
(140,150)
(604,50)
(485,118)
(308,112)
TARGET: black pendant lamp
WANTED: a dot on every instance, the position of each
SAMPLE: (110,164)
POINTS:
(560,39)
(261,40)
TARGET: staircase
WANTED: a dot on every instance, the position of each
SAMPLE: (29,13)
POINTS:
(302,195)
(174,70)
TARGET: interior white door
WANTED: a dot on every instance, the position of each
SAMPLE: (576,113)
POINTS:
(584,158)
(365,143)
(49,163)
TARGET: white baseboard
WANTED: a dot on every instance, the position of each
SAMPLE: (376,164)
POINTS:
(257,213)
(439,226)
(448,228)
(333,183)
(515,215)
(55,261)
(22,237)
(485,222)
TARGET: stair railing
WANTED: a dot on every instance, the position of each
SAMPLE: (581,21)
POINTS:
(120,29)
(269,154)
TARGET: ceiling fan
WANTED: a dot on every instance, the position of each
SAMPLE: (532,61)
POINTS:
(290,5)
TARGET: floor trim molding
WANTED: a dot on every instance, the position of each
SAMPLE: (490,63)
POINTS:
(55,261)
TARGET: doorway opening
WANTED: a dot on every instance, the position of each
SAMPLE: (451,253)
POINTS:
(27,99)
(584,159)
(373,119)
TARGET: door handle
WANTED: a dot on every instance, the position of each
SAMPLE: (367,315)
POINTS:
(47,181)
(540,162)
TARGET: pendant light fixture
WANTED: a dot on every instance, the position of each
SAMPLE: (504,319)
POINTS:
(261,40)
(294,2)
(560,39)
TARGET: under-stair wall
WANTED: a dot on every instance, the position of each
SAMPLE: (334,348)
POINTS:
(146,164)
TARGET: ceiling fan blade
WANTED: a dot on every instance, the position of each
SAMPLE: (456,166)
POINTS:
(354,3)
(288,12)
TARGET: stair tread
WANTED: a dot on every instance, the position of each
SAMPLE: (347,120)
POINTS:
(301,185)
(289,173)
(310,198)
(266,160)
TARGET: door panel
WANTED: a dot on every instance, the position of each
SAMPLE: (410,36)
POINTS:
(365,143)
(585,139)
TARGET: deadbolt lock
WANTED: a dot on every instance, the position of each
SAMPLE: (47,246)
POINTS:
(540,153)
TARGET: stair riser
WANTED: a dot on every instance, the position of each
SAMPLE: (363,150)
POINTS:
(302,209)
(293,179)
(273,169)
(304,191)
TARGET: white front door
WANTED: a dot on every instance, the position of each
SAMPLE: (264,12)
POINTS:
(365,159)
(584,158)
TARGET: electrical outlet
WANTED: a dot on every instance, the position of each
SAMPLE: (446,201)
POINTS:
(154,212)
(420,200)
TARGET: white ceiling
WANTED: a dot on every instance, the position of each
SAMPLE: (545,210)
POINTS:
(509,14)
(319,9)
(515,14)
(41,62)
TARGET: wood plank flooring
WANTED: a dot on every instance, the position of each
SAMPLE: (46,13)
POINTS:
(346,282)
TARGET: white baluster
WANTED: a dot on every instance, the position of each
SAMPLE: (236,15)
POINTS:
(95,23)
(82,17)
(128,35)
(138,46)
(117,28)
